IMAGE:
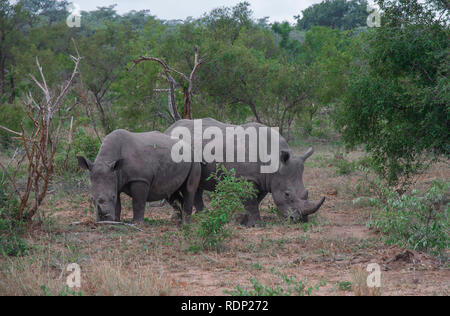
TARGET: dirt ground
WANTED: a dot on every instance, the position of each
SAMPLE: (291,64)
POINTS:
(335,248)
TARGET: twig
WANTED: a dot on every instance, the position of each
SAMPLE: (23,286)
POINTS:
(10,131)
(119,223)
(111,223)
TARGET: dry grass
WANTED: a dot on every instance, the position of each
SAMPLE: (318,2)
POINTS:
(25,278)
(29,278)
(113,279)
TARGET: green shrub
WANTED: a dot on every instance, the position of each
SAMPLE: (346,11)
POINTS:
(291,287)
(209,228)
(11,116)
(344,286)
(344,167)
(11,244)
(418,220)
(83,144)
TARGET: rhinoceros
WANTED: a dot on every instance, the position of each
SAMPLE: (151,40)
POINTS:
(140,165)
(285,183)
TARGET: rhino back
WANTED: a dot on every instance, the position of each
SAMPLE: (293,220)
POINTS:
(146,156)
(248,170)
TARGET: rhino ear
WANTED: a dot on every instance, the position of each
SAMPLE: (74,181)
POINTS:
(307,154)
(117,164)
(84,163)
(285,156)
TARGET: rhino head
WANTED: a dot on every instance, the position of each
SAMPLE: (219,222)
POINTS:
(104,187)
(288,190)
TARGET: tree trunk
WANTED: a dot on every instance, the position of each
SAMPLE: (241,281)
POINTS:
(2,76)
(255,113)
(102,116)
(12,96)
(187,110)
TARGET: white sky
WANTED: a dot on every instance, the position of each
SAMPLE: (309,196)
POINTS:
(277,10)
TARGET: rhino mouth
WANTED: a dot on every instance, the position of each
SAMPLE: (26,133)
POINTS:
(306,208)
(104,216)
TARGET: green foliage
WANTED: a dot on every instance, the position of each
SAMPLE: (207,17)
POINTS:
(396,104)
(344,167)
(210,229)
(284,30)
(11,116)
(83,144)
(344,286)
(419,221)
(339,14)
(291,287)
(11,243)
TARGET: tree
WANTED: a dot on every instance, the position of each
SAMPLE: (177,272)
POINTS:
(397,103)
(339,14)
(226,23)
(187,90)
(40,144)
(12,21)
(284,31)
(47,11)
(107,52)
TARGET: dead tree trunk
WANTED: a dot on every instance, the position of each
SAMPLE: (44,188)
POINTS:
(41,143)
(188,90)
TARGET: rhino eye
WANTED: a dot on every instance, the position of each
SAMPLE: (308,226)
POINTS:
(287,195)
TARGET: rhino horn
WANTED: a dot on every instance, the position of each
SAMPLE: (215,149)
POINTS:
(307,154)
(310,208)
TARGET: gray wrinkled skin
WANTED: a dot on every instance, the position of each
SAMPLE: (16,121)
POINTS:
(139,165)
(286,185)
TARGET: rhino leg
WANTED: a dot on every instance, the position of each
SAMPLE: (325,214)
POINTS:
(139,193)
(252,207)
(118,208)
(175,200)
(189,191)
(198,201)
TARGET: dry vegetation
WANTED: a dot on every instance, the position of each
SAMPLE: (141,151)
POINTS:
(335,247)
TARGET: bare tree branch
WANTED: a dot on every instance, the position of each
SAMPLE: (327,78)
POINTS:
(188,92)
(41,143)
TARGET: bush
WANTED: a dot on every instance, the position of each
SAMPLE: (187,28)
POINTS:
(396,99)
(11,116)
(209,228)
(343,166)
(10,230)
(82,145)
(418,221)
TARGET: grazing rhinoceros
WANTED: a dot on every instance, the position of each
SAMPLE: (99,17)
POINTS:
(285,183)
(140,165)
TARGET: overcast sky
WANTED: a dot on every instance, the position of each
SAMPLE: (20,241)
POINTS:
(277,10)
